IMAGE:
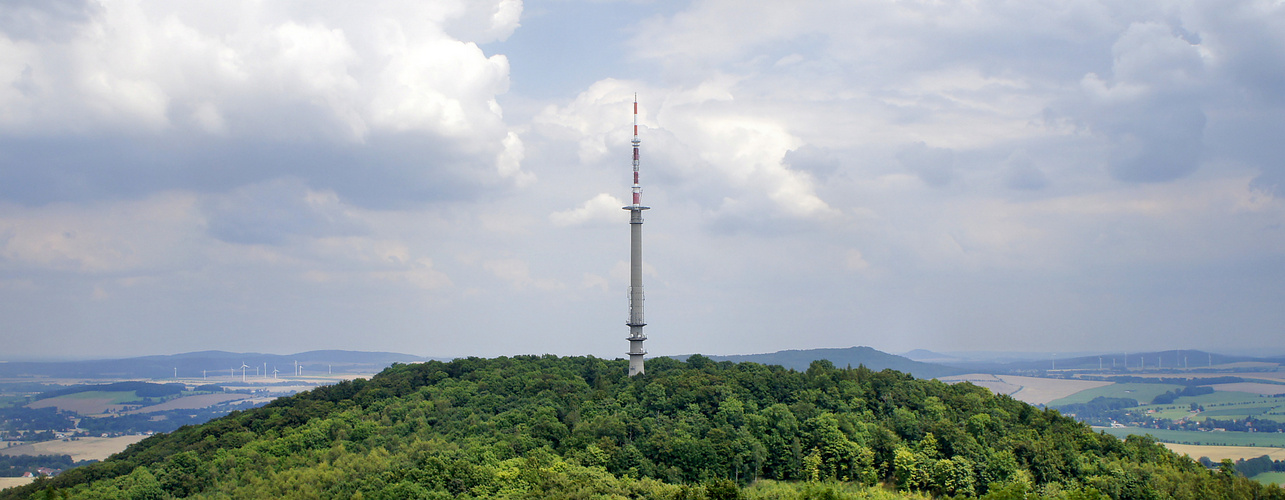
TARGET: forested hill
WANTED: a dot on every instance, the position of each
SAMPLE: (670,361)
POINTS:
(550,427)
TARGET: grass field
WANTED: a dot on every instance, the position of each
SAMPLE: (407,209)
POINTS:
(1223,398)
(1217,453)
(1252,388)
(1270,478)
(1264,439)
(1144,393)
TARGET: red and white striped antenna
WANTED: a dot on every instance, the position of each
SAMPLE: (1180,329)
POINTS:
(637,187)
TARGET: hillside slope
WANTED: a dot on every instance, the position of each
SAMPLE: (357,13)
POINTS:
(549,427)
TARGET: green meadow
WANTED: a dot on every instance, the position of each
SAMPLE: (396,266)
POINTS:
(1227,438)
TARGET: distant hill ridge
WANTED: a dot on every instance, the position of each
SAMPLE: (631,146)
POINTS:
(871,358)
(191,364)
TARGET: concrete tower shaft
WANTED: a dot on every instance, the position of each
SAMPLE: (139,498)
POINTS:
(636,321)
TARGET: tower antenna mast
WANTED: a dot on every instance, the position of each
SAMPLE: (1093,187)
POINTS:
(636,322)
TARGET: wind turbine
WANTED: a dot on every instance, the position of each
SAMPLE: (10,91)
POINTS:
(243,367)
(274,372)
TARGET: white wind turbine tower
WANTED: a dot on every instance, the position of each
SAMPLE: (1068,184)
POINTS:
(274,372)
(243,367)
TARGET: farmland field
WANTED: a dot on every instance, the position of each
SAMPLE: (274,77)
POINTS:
(1270,478)
(88,402)
(1217,453)
(9,482)
(80,449)
(1222,398)
(1033,390)
(1252,388)
(1264,439)
(1144,393)
(189,403)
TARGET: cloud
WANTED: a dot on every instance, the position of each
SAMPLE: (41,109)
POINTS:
(274,211)
(177,88)
(820,162)
(935,166)
(697,142)
(518,274)
(1020,172)
(1150,113)
(290,173)
(121,239)
(603,208)
(45,20)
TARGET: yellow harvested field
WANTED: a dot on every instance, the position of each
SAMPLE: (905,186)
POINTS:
(1033,390)
(9,482)
(86,448)
(189,403)
(1217,453)
(1252,388)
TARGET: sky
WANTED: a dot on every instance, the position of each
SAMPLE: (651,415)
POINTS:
(444,178)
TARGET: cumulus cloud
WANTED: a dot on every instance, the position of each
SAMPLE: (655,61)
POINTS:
(186,82)
(603,208)
(1150,113)
(697,140)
